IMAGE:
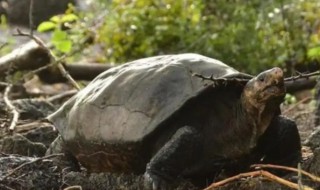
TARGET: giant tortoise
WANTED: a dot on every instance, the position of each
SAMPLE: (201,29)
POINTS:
(153,116)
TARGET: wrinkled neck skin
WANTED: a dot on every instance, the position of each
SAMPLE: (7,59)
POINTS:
(258,115)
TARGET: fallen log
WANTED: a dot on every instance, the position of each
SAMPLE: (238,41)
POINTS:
(301,84)
(29,56)
(78,71)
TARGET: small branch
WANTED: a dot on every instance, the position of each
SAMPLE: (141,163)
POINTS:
(68,76)
(311,176)
(54,60)
(61,96)
(293,78)
(233,178)
(3,45)
(5,187)
(31,17)
(300,177)
(28,163)
(4,84)
(297,104)
(220,79)
(301,75)
(11,108)
(33,37)
(75,187)
(263,173)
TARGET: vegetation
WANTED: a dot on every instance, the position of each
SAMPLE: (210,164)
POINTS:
(249,35)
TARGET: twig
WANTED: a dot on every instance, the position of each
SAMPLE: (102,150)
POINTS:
(54,60)
(301,75)
(11,108)
(297,104)
(4,84)
(5,187)
(28,163)
(300,177)
(3,45)
(33,37)
(31,17)
(220,79)
(61,95)
(68,76)
(74,187)
(311,176)
(263,173)
(293,78)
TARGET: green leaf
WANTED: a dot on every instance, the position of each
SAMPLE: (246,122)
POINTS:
(46,26)
(56,19)
(59,35)
(63,46)
(314,53)
(69,18)
(61,42)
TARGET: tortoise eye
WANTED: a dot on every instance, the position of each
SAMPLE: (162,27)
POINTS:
(261,78)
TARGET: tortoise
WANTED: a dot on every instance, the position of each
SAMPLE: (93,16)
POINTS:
(153,116)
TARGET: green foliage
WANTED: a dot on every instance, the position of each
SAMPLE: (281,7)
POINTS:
(144,28)
(61,39)
(3,22)
(289,99)
(249,35)
(61,42)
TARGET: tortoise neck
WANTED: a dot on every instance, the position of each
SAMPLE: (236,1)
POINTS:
(249,110)
(260,115)
(248,115)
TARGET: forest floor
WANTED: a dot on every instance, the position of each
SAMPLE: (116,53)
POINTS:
(23,164)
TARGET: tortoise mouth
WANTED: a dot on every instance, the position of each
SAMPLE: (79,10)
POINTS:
(273,91)
(275,88)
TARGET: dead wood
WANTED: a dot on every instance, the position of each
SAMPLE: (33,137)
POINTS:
(32,56)
(29,56)
(262,173)
(311,176)
(11,108)
(53,59)
(79,71)
(64,95)
(293,84)
(300,84)
(292,107)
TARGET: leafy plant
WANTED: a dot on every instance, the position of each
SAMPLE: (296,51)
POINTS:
(61,38)
(249,35)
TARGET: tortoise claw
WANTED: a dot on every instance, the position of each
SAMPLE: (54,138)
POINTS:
(155,182)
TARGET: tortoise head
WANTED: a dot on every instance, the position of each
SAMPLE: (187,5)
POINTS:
(265,88)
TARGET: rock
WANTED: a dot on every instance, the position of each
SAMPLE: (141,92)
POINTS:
(31,109)
(313,141)
(313,166)
(44,134)
(18,144)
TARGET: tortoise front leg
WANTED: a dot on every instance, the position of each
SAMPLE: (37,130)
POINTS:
(281,143)
(179,152)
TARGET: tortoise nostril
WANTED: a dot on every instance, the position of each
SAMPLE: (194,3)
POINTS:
(278,71)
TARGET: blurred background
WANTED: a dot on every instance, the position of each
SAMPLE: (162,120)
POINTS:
(248,35)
